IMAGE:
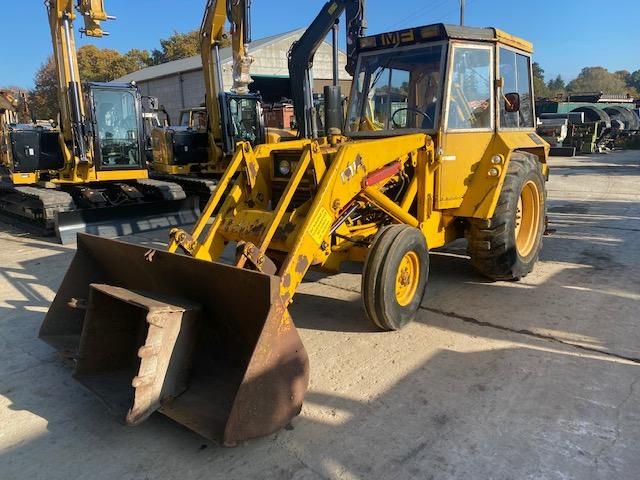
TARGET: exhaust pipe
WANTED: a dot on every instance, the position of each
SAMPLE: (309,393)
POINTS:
(209,345)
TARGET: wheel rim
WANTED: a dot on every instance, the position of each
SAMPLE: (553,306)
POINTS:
(407,278)
(527,218)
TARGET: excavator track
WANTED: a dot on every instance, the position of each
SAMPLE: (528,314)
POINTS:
(33,208)
(164,205)
(54,212)
(202,188)
(169,190)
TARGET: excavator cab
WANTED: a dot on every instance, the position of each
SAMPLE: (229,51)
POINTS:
(184,148)
(116,122)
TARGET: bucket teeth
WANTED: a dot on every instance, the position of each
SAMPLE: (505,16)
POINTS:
(119,317)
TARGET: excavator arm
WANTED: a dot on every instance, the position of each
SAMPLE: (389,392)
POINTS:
(212,33)
(73,121)
(303,51)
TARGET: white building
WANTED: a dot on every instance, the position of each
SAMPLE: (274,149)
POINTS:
(180,84)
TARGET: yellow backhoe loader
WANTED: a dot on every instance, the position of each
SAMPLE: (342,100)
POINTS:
(89,173)
(439,144)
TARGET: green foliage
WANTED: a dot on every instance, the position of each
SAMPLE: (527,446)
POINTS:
(180,45)
(597,79)
(557,86)
(634,80)
(177,46)
(540,89)
(44,97)
(95,65)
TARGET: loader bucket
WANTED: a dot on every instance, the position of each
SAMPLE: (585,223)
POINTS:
(206,344)
(125,219)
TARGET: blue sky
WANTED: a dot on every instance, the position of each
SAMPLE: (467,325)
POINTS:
(563,46)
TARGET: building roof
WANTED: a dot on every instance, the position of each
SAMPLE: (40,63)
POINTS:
(195,63)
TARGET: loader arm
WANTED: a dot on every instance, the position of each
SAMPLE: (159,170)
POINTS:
(352,173)
(303,51)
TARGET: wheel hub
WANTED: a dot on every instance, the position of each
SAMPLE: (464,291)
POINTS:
(407,278)
(527,220)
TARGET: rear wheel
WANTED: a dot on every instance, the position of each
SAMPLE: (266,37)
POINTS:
(507,246)
(395,275)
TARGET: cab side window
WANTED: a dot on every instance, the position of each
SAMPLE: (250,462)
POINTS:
(515,73)
(470,97)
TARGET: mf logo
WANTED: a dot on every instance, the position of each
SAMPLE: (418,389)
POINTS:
(395,38)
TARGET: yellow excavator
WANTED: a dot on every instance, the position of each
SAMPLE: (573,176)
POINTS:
(439,144)
(193,153)
(198,152)
(88,174)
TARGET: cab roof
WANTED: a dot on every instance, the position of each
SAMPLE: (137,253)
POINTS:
(441,31)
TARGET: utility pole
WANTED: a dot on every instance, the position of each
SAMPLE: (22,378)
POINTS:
(462,13)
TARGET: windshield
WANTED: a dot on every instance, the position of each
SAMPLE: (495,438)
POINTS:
(397,89)
(245,119)
(196,119)
(117,126)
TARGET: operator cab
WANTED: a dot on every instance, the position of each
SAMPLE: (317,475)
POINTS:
(119,137)
(242,117)
(440,78)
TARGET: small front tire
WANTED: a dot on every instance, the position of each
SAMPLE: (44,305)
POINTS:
(395,276)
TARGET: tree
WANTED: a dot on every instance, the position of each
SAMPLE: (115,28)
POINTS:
(95,65)
(134,60)
(44,97)
(99,64)
(177,46)
(556,86)
(597,79)
(634,80)
(181,45)
(540,89)
(625,75)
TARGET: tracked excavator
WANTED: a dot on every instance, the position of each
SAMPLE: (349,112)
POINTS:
(196,154)
(439,144)
(89,173)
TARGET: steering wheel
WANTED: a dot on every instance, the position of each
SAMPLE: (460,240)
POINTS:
(408,109)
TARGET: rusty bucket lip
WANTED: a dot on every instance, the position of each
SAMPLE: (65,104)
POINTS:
(270,365)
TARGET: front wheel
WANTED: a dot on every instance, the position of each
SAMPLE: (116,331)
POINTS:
(507,246)
(395,276)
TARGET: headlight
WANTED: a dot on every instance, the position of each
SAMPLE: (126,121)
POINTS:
(284,167)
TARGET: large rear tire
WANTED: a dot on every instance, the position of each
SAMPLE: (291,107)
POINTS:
(395,275)
(507,246)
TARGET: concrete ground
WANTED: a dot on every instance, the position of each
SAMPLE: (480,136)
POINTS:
(538,379)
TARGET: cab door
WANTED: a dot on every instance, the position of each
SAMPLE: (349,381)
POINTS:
(469,122)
